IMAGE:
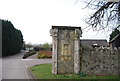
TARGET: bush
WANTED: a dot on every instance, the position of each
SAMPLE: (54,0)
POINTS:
(29,54)
(44,54)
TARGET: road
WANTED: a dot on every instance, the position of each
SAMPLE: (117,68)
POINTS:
(14,67)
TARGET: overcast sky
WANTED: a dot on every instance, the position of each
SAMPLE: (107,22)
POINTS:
(35,17)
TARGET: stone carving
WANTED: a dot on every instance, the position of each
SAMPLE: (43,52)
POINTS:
(65,54)
(54,33)
(77,34)
(65,50)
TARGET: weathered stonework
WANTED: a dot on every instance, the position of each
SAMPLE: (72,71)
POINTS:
(65,49)
(54,34)
(100,61)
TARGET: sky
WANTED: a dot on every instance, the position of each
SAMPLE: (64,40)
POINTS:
(35,17)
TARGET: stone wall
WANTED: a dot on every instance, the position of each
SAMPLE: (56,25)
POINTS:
(100,61)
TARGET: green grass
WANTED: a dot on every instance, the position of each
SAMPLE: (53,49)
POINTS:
(43,71)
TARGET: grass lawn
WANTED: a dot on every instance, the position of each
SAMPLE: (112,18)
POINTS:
(43,71)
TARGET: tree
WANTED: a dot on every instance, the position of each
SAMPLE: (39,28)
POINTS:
(47,46)
(106,15)
(12,39)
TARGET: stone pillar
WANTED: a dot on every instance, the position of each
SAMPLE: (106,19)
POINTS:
(66,49)
(54,34)
(77,51)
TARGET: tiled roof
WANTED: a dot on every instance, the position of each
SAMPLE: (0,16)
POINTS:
(90,42)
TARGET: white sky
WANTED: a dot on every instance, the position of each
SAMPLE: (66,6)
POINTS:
(35,17)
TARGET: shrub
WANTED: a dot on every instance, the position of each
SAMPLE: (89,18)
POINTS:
(44,54)
(29,54)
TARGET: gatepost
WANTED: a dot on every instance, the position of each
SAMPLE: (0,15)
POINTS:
(66,49)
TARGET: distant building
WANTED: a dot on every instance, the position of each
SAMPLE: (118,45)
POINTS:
(115,42)
(94,42)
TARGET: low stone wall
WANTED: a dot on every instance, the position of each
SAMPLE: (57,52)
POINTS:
(100,61)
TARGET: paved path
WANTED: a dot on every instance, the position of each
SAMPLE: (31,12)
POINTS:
(14,67)
(32,57)
(31,62)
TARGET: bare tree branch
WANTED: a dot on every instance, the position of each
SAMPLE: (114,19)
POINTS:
(106,13)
